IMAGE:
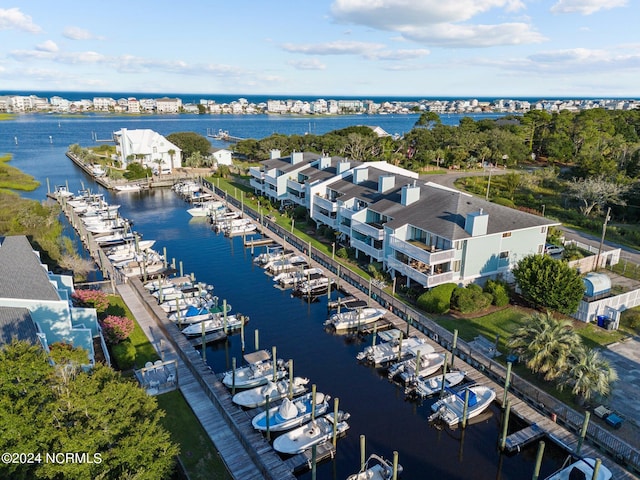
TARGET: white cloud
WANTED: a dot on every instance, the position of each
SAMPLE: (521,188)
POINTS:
(307,64)
(333,48)
(77,33)
(13,18)
(452,35)
(393,14)
(47,46)
(586,7)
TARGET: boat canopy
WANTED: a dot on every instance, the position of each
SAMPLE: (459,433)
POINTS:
(258,356)
(473,399)
(287,409)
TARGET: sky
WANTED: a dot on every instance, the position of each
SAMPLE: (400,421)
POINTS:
(359,48)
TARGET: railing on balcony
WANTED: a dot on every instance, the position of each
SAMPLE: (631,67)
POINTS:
(321,217)
(270,179)
(418,276)
(321,202)
(297,186)
(257,184)
(256,172)
(346,212)
(367,229)
(422,255)
(367,249)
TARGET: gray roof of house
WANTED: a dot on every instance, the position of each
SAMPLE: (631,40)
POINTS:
(21,273)
(284,163)
(16,323)
(439,210)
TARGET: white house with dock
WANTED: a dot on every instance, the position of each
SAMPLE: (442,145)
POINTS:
(148,148)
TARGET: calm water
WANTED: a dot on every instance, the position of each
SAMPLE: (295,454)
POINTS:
(378,408)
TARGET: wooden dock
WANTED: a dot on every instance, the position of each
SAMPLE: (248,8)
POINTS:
(520,439)
(208,338)
(259,242)
(303,461)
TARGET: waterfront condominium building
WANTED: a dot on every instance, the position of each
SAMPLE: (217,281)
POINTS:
(423,233)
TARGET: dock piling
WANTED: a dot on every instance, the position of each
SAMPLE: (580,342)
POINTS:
(536,468)
(290,378)
(395,465)
(505,425)
(507,381)
(335,421)
(465,411)
(363,455)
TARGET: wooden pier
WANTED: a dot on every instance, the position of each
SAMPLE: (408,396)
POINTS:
(520,439)
(303,461)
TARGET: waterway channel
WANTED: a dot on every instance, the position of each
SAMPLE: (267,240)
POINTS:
(378,407)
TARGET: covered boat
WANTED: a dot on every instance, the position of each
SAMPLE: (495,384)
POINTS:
(291,413)
(581,470)
(214,324)
(427,387)
(256,397)
(355,318)
(258,371)
(313,433)
(387,352)
(376,468)
(414,368)
(451,408)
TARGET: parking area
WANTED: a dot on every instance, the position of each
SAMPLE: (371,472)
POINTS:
(625,358)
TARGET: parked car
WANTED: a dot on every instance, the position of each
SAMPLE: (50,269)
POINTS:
(551,249)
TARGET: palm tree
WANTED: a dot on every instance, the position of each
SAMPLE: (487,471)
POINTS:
(589,374)
(545,344)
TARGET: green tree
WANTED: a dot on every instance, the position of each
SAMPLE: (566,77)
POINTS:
(549,283)
(589,375)
(189,143)
(61,408)
(545,344)
(428,119)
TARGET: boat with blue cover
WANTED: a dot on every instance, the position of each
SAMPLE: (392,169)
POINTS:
(292,413)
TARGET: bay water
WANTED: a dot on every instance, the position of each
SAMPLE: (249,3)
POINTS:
(377,406)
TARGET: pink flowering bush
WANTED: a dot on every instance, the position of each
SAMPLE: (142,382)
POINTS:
(91,298)
(116,329)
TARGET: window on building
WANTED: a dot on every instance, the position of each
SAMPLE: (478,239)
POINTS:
(540,249)
(456,265)
(504,255)
(543,230)
(506,234)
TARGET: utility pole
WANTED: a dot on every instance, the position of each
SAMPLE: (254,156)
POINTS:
(604,231)
(488,184)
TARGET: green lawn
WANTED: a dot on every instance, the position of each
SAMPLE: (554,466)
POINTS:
(144,349)
(197,453)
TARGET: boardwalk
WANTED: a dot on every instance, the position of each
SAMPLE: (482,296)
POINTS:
(232,450)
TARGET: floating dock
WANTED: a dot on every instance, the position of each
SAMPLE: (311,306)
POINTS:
(208,338)
(303,461)
(522,438)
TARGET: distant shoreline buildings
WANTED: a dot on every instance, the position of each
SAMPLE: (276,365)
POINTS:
(241,106)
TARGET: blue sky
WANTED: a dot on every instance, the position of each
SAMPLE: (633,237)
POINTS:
(360,48)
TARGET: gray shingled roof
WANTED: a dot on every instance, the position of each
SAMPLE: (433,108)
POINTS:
(440,211)
(16,323)
(21,273)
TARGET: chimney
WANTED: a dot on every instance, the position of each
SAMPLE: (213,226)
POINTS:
(275,153)
(386,183)
(360,175)
(325,162)
(477,223)
(409,194)
(343,167)
(296,157)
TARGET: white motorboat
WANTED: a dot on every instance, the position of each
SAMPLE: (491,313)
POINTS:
(412,368)
(291,278)
(214,324)
(128,187)
(272,253)
(376,468)
(115,239)
(451,408)
(386,352)
(205,209)
(582,469)
(314,287)
(286,264)
(256,397)
(426,387)
(313,433)
(191,314)
(258,371)
(355,318)
(291,413)
(142,246)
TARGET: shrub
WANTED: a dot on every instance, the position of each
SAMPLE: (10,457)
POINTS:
(342,253)
(124,354)
(504,202)
(438,299)
(91,298)
(470,299)
(499,291)
(116,329)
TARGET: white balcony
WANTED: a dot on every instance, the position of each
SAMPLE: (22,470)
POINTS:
(331,222)
(421,254)
(321,202)
(368,249)
(256,184)
(367,229)
(293,185)
(271,180)
(418,276)
(256,172)
(346,212)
